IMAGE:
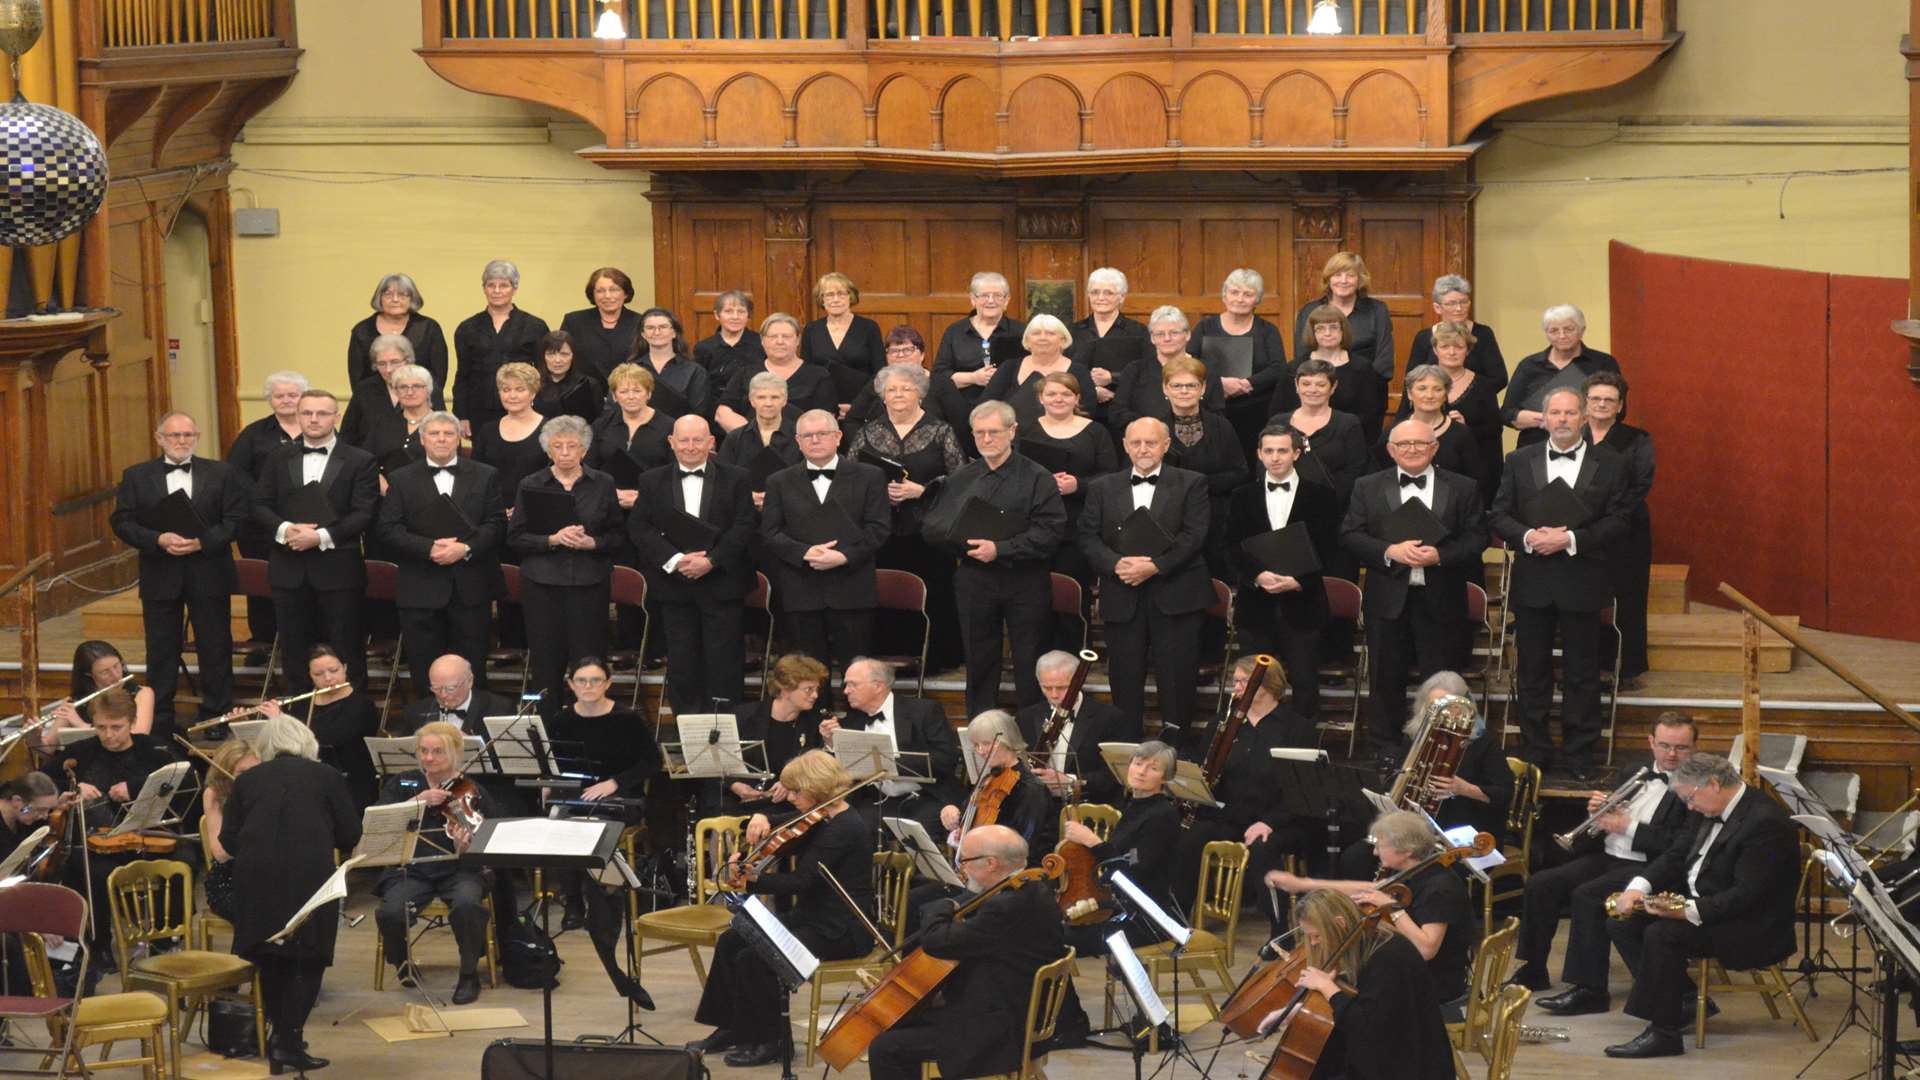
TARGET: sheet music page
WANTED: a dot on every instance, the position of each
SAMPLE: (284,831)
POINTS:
(388,833)
(1381,804)
(864,753)
(514,739)
(150,808)
(1798,796)
(710,742)
(334,888)
(70,735)
(544,836)
(973,761)
(1147,906)
(247,729)
(392,755)
(927,858)
(797,954)
(23,852)
(1135,975)
(1462,836)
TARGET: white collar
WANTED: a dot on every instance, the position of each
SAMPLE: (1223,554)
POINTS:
(1156,471)
(885,710)
(327,446)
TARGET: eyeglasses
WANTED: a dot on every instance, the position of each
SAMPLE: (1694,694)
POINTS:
(448,688)
(1456,303)
(1183,386)
(990,296)
(410,386)
(589,680)
(836,294)
(179,434)
(965,859)
(903,350)
(1408,444)
(1671,748)
(1166,335)
(815,434)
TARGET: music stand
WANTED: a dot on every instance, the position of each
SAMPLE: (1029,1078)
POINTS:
(1319,791)
(912,838)
(1149,912)
(791,962)
(869,754)
(1811,811)
(1148,1011)
(710,747)
(1187,784)
(152,808)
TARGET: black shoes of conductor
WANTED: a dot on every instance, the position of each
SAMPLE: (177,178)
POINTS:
(1577,1001)
(748,1057)
(1654,1042)
(288,1050)
(721,1039)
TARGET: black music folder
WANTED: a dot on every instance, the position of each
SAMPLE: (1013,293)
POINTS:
(580,398)
(549,511)
(401,457)
(668,400)
(1228,356)
(1287,551)
(764,464)
(822,523)
(686,532)
(895,469)
(620,466)
(1310,469)
(1572,377)
(441,519)
(981,520)
(848,380)
(1555,506)
(308,505)
(1050,456)
(1414,520)
(174,514)
(1140,534)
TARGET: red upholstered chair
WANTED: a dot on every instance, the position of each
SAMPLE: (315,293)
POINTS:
(1343,605)
(36,908)
(503,655)
(1069,602)
(629,589)
(760,599)
(904,592)
(383,584)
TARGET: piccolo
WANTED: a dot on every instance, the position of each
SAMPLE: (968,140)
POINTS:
(237,714)
(1620,797)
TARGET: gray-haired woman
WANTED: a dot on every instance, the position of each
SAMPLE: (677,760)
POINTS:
(250,452)
(971,348)
(498,334)
(566,569)
(396,307)
(1453,303)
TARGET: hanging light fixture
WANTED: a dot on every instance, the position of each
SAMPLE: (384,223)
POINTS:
(1326,18)
(53,169)
(609,27)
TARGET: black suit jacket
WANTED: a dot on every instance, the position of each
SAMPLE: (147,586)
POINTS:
(999,946)
(1180,506)
(726,503)
(1095,723)
(861,491)
(1576,582)
(424,583)
(223,498)
(1456,502)
(1746,884)
(1319,508)
(427,710)
(920,727)
(351,481)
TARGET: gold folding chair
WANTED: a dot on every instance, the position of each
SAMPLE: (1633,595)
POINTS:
(1769,982)
(1043,1015)
(1522,811)
(1099,817)
(691,926)
(1490,963)
(892,881)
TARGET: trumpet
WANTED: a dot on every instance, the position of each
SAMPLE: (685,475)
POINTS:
(245,710)
(1621,796)
(1666,901)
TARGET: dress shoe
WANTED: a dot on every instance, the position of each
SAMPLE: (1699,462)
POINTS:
(1530,977)
(1690,1008)
(748,1057)
(631,989)
(575,917)
(1651,1043)
(467,990)
(287,1051)
(1577,1001)
(721,1039)
(408,973)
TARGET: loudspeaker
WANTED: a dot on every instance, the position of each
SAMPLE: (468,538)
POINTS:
(525,1059)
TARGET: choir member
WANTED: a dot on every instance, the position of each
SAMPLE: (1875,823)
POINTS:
(456,698)
(1223,340)
(1335,440)
(224,766)
(733,344)
(1106,342)
(1018,384)
(1003,581)
(690,528)
(786,724)
(906,348)
(318,576)
(839,337)
(603,332)
(396,307)
(566,570)
(498,334)
(342,720)
(1472,399)
(180,573)
(1358,390)
(1453,303)
(1076,449)
(972,348)
(1414,589)
(809,386)
(566,390)
(1560,580)
(1203,442)
(97,665)
(1275,613)
(682,385)
(1630,564)
(1566,329)
(765,445)
(1073,765)
(918,729)
(1429,389)
(449,569)
(1347,283)
(394,437)
(250,452)
(510,442)
(374,396)
(1138,391)
(1153,605)
(824,556)
(289,820)
(636,430)
(404,890)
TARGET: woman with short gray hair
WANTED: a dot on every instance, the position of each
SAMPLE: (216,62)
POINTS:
(1246,352)
(374,398)
(1453,303)
(1018,383)
(1566,361)
(566,570)
(500,333)
(396,307)
(972,348)
(1139,390)
(1106,341)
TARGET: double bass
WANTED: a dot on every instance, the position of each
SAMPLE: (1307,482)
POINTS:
(1223,732)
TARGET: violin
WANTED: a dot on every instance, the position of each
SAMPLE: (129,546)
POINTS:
(989,792)
(774,846)
(911,980)
(462,807)
(1224,731)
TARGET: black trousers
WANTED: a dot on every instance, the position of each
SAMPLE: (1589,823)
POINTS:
(899,1051)
(1533,633)
(289,986)
(1424,640)
(1021,600)
(1579,887)
(1172,643)
(461,890)
(564,623)
(1658,951)
(310,616)
(704,653)
(1262,630)
(833,637)
(427,634)
(213,647)
(1630,566)
(743,995)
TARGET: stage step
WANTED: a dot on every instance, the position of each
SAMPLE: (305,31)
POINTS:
(1667,589)
(1711,642)
(116,618)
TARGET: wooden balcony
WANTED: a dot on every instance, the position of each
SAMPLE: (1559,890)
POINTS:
(1038,87)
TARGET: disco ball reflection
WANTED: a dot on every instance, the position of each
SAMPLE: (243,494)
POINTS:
(55,170)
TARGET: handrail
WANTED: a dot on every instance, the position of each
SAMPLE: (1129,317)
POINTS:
(1820,656)
(29,629)
(24,573)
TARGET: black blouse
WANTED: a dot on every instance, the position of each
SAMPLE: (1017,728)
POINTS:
(515,460)
(1138,392)
(1269,353)
(1024,396)
(1483,359)
(961,350)
(809,387)
(1340,448)
(255,444)
(1357,390)
(1124,342)
(929,451)
(744,445)
(578,394)
(646,444)
(596,349)
(1249,782)
(371,399)
(686,379)
(722,360)
(1391,1029)
(844,845)
(1537,371)
(1636,446)
(481,350)
(862,349)
(429,350)
(342,728)
(1372,326)
(1215,455)
(784,741)
(618,746)
(1150,827)
(599,510)
(1090,453)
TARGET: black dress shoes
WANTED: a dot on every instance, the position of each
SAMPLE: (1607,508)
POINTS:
(748,1057)
(1577,1001)
(1530,977)
(467,990)
(1690,1008)
(721,1039)
(632,990)
(1651,1043)
(287,1051)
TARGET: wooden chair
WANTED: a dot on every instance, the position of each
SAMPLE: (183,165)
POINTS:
(144,895)
(206,923)
(510,594)
(892,880)
(435,915)
(1510,1012)
(99,1020)
(1099,817)
(1043,1015)
(761,600)
(1490,963)
(1205,966)
(1343,605)
(699,923)
(902,592)
(1523,810)
(1769,982)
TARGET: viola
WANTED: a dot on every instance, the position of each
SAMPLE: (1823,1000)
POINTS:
(1084,901)
(463,804)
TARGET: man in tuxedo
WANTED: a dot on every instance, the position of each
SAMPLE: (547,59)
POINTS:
(1560,579)
(1279,613)
(449,569)
(1152,605)
(1628,838)
(1076,755)
(454,699)
(318,576)
(691,525)
(1415,598)
(824,579)
(1737,875)
(180,572)
(1004,581)
(917,727)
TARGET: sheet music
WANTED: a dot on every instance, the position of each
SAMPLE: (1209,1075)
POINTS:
(1146,905)
(1382,804)
(247,729)
(1463,836)
(973,761)
(397,755)
(23,852)
(334,888)
(1153,1010)
(71,735)
(710,745)
(150,808)
(1799,798)
(545,836)
(803,961)
(521,747)
(868,754)
(927,858)
(388,833)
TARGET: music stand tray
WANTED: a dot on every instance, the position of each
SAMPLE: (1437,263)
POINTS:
(1188,783)
(544,843)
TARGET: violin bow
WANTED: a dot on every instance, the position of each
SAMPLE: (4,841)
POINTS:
(846,898)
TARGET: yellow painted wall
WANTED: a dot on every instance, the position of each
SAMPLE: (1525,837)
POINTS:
(365,155)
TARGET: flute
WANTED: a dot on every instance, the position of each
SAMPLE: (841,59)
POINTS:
(236,714)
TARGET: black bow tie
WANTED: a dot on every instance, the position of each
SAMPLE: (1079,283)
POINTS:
(315,449)
(701,474)
(440,470)
(1417,481)
(1154,480)
(461,713)
(185,467)
(1556,455)
(1279,485)
(820,474)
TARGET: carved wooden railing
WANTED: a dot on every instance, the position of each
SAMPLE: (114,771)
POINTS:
(126,24)
(29,610)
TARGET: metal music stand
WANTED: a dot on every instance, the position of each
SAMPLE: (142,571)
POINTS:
(791,962)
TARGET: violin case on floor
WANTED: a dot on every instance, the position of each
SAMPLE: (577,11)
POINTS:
(525,1059)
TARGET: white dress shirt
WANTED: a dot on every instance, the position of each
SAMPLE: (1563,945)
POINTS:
(691,488)
(180,479)
(312,468)
(1143,493)
(442,482)
(1693,871)
(882,722)
(820,483)
(1640,810)
(1424,493)
(1280,503)
(1566,470)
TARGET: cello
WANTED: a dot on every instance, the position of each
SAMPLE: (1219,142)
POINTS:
(910,981)
(1224,731)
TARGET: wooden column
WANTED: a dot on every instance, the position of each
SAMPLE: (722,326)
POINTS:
(1909,328)
(1750,698)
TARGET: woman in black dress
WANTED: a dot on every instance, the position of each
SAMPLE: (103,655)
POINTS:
(96,666)
(809,386)
(786,722)
(1138,391)
(1106,342)
(342,718)
(1018,382)
(1358,391)
(396,307)
(1347,281)
(1566,330)
(603,333)
(1203,442)
(373,396)
(1237,338)
(636,430)
(287,818)
(1629,562)
(840,338)
(971,348)
(1335,444)
(1149,825)
(733,344)
(1472,399)
(393,437)
(1077,450)
(565,390)
(565,573)
(1426,400)
(224,766)
(511,443)
(765,445)
(742,997)
(680,385)
(250,453)
(1453,303)
(498,334)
